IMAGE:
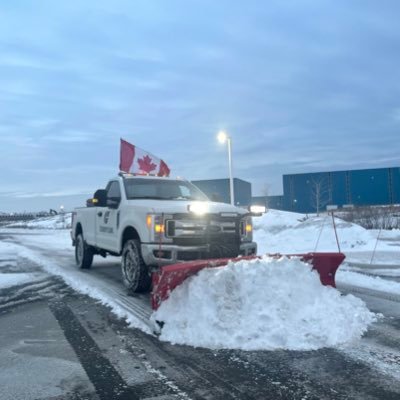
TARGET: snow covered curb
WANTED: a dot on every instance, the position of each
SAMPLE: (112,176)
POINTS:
(369,282)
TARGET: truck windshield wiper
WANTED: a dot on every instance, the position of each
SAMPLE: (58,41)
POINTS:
(178,198)
(165,198)
(183,198)
(147,197)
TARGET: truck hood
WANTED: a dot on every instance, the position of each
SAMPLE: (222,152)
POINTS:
(181,206)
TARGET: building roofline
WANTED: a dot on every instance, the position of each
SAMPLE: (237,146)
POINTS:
(344,170)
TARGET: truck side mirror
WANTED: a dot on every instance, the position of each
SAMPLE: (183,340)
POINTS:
(100,198)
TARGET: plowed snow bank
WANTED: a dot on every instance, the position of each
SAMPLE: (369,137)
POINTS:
(261,304)
(286,232)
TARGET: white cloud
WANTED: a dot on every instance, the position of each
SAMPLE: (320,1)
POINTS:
(42,122)
(72,136)
(56,193)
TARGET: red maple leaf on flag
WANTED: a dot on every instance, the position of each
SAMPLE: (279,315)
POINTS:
(146,165)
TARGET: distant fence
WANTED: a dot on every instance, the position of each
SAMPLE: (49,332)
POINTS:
(22,217)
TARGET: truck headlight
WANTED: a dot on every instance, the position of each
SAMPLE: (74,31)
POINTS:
(249,228)
(156,225)
(258,210)
(198,208)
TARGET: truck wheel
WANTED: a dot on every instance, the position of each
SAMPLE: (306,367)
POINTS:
(83,253)
(135,274)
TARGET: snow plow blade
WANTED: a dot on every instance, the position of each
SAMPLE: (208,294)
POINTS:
(169,277)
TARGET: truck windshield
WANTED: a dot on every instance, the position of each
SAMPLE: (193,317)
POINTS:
(162,190)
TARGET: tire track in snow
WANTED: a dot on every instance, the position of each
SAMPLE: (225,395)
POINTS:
(136,309)
(32,291)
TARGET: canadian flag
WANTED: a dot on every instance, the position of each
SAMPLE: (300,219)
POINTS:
(138,161)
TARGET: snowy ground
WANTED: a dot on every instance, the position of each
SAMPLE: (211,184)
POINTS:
(284,232)
(280,303)
(275,232)
(61,221)
(9,275)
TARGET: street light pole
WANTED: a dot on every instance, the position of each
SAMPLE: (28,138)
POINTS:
(230,171)
(223,137)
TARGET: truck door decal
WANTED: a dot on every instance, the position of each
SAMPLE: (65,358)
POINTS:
(106,229)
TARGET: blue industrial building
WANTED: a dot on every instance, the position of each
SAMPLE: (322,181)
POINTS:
(313,192)
(218,190)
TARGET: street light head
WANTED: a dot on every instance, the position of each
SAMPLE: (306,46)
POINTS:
(222,137)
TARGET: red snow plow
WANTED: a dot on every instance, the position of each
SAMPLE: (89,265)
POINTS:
(169,277)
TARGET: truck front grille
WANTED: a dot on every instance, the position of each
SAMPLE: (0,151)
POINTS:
(199,227)
(221,235)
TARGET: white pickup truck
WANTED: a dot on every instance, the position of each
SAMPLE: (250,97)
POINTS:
(152,221)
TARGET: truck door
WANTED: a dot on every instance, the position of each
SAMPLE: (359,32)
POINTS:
(108,219)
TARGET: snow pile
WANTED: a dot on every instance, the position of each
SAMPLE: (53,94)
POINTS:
(286,232)
(61,221)
(261,304)
(275,221)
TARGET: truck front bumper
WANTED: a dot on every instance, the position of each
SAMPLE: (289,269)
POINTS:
(153,255)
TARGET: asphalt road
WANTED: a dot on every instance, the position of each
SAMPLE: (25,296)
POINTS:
(58,344)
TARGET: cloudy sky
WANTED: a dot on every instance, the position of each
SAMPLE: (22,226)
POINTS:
(299,85)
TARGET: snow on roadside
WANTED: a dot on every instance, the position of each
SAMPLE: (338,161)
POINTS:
(370,282)
(88,284)
(8,255)
(275,221)
(261,304)
(286,232)
(49,239)
(60,221)
(59,243)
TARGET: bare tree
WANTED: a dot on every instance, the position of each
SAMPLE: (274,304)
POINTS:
(265,192)
(319,194)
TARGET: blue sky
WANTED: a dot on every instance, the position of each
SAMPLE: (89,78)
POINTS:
(300,86)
